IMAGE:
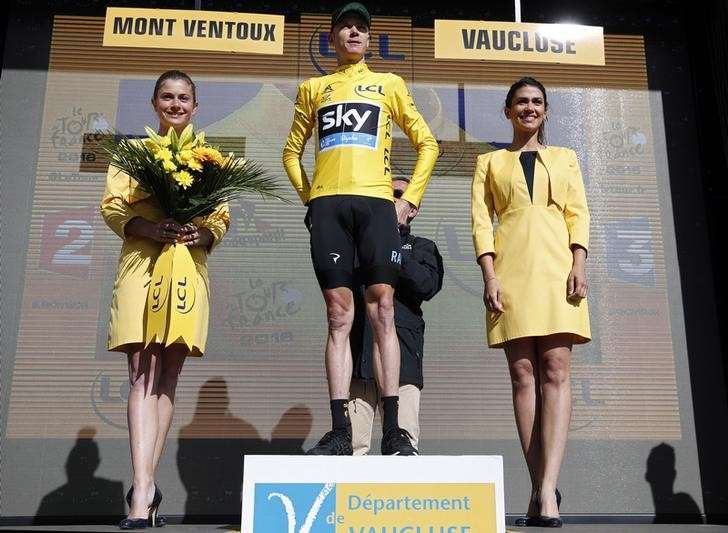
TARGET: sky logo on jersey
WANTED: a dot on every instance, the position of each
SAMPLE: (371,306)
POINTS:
(348,124)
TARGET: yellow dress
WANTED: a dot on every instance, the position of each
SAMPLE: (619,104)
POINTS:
(123,200)
(532,242)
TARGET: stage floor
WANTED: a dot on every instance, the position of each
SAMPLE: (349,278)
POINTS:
(572,528)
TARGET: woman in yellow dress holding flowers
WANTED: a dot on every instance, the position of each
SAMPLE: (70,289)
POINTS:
(134,215)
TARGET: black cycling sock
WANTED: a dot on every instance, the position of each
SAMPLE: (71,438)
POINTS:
(340,414)
(390,406)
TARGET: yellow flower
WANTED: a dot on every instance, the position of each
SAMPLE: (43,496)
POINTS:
(151,145)
(163,154)
(165,141)
(205,153)
(183,177)
(168,165)
(184,156)
(194,164)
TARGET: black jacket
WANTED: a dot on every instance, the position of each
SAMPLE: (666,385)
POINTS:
(420,278)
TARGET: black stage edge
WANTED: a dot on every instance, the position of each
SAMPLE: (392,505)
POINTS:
(569,526)
(575,518)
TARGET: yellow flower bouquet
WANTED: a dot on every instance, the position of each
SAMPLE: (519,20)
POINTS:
(187,176)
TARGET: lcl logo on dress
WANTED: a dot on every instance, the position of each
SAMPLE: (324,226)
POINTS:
(348,124)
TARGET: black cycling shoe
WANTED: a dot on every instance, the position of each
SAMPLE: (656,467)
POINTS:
(397,442)
(335,442)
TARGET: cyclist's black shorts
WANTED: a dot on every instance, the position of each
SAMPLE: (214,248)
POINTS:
(351,231)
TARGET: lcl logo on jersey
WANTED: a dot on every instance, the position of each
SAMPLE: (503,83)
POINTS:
(370,91)
(348,124)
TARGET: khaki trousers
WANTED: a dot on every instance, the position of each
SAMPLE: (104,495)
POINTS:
(364,401)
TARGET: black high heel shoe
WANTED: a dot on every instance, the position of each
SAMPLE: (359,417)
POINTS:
(134,523)
(528,521)
(537,521)
(551,521)
(159,521)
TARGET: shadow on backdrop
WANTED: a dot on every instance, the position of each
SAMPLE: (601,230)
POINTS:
(670,507)
(83,496)
(292,430)
(211,468)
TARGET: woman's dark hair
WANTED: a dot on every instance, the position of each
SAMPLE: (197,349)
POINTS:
(174,75)
(530,82)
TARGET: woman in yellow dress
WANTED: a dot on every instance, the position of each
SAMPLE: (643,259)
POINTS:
(153,371)
(533,268)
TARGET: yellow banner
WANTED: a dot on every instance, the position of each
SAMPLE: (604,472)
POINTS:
(510,41)
(194,30)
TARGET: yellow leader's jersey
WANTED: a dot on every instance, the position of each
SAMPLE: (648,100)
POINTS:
(352,110)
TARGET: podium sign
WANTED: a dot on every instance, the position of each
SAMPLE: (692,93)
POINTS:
(571,44)
(373,494)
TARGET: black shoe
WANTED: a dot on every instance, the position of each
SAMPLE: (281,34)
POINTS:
(335,442)
(134,523)
(527,521)
(535,521)
(160,521)
(142,523)
(397,442)
(549,521)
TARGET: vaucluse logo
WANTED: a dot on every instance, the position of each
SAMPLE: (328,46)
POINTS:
(294,507)
(348,124)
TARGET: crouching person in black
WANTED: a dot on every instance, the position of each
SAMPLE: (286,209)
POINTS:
(420,278)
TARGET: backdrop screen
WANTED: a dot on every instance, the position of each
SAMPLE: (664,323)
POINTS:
(262,375)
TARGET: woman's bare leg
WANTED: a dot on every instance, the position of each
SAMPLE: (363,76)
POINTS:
(555,375)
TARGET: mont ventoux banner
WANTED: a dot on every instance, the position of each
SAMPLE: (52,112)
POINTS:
(194,30)
(509,41)
(263,34)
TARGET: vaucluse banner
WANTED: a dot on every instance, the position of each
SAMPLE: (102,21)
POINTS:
(194,30)
(510,41)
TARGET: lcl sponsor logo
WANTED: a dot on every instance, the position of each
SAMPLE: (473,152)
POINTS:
(375,92)
(318,48)
(108,396)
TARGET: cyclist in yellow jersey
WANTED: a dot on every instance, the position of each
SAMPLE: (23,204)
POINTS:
(352,214)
